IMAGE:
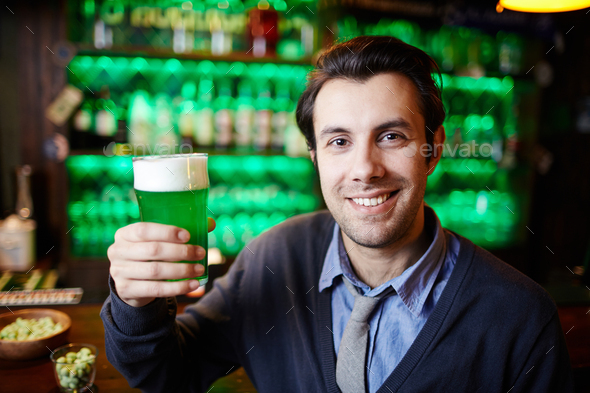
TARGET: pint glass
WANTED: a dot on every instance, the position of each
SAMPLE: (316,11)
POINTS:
(173,190)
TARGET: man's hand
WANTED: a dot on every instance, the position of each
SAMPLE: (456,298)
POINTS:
(144,253)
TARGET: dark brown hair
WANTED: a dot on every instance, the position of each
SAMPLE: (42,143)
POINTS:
(364,57)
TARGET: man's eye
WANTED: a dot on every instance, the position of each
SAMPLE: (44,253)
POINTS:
(392,137)
(339,142)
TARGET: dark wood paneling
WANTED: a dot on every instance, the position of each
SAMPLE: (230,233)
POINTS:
(41,25)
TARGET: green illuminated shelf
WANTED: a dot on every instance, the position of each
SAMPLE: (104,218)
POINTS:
(151,52)
(456,49)
(475,189)
(121,69)
(247,195)
(487,218)
(209,151)
(190,29)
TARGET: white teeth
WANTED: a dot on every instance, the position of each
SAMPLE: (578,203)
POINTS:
(371,201)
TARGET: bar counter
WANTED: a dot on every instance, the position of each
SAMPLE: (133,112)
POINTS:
(37,375)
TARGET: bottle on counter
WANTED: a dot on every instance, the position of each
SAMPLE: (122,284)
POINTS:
(17,231)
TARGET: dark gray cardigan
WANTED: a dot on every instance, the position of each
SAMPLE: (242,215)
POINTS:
(492,330)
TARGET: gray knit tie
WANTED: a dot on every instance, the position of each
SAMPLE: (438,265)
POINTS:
(352,355)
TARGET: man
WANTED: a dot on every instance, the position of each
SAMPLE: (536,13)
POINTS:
(371,295)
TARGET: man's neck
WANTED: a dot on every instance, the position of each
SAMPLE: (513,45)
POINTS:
(375,266)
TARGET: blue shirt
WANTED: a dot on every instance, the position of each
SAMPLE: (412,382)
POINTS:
(397,320)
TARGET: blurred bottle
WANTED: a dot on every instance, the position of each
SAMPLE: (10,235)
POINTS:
(406,31)
(510,53)
(221,40)
(94,245)
(179,39)
(348,27)
(308,33)
(488,49)
(295,143)
(83,119)
(224,107)
(497,147)
(24,201)
(262,30)
(263,120)
(204,131)
(139,120)
(474,64)
(509,158)
(108,236)
(444,48)
(297,36)
(283,105)
(79,237)
(103,35)
(187,112)
(166,137)
(106,115)
(245,113)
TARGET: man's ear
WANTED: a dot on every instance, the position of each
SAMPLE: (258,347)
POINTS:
(439,139)
(437,148)
(313,155)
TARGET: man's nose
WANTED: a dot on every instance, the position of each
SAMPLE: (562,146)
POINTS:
(367,164)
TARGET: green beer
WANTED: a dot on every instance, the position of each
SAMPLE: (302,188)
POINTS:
(173,190)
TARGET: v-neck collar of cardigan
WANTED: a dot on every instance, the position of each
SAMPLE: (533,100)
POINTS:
(412,286)
(425,337)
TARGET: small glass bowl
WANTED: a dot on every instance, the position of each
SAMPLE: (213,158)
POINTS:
(74,366)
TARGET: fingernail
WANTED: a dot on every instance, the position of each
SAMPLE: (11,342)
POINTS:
(184,235)
(194,284)
(199,253)
(199,269)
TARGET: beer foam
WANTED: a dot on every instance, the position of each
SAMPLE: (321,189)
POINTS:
(174,173)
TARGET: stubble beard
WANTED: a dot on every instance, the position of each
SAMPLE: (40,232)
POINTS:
(394,225)
(381,230)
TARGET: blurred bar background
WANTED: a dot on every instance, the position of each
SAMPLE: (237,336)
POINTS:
(87,84)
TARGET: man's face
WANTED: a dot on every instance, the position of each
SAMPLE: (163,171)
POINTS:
(367,135)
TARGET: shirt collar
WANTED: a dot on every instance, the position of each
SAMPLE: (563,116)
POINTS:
(412,286)
(332,267)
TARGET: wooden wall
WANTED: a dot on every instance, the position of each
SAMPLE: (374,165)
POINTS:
(30,32)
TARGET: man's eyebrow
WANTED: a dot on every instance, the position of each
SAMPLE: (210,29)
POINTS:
(333,130)
(393,123)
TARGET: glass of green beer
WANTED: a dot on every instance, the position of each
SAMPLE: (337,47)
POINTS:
(173,190)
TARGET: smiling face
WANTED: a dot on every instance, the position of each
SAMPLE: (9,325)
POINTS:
(372,177)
